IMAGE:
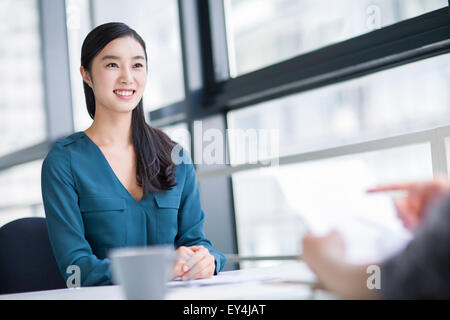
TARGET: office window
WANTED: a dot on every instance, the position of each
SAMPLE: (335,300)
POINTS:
(396,101)
(21,87)
(157,23)
(20,192)
(274,206)
(78,26)
(264,32)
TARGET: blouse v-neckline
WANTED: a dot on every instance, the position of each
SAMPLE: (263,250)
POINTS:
(115,177)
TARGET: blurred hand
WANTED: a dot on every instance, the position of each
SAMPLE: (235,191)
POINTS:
(419,195)
(325,256)
(200,265)
(318,252)
(183,254)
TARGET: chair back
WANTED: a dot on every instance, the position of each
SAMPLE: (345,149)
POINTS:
(27,262)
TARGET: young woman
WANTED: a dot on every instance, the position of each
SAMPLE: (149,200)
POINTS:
(115,184)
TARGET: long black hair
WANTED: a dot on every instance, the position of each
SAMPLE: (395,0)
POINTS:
(155,170)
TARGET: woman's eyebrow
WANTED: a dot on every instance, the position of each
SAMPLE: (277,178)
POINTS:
(118,58)
(110,57)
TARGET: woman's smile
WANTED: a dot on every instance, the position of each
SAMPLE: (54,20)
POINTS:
(126,94)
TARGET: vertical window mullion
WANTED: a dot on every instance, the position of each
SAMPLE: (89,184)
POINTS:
(56,69)
(438,153)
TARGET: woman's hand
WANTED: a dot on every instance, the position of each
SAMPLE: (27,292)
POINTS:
(183,254)
(200,265)
(419,195)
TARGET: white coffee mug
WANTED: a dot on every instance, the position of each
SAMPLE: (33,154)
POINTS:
(142,272)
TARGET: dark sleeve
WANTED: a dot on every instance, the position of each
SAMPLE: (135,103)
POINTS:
(191,218)
(65,223)
(421,270)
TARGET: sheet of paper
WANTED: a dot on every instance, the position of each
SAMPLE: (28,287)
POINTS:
(220,280)
(367,222)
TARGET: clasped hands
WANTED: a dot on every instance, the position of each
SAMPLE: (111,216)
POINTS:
(194,262)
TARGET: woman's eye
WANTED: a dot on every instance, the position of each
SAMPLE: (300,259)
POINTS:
(138,65)
(112,65)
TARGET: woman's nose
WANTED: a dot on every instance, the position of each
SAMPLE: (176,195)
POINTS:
(125,76)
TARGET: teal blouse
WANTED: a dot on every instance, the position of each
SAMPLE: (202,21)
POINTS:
(89,211)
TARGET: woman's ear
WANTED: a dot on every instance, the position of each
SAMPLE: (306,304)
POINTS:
(86,76)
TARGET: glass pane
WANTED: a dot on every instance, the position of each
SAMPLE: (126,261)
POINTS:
(157,23)
(275,206)
(78,26)
(412,97)
(21,89)
(20,192)
(263,32)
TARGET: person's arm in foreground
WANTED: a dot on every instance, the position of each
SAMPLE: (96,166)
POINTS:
(420,271)
(325,255)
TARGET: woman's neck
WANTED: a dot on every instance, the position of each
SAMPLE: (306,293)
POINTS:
(111,129)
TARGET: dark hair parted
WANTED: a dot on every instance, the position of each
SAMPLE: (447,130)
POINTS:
(155,170)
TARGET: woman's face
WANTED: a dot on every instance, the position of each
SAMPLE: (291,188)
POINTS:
(118,75)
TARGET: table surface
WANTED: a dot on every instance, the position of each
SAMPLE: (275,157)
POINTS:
(288,280)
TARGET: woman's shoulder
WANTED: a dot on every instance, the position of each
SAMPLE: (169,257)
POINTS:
(61,147)
(70,139)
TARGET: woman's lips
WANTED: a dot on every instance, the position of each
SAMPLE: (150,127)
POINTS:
(125,94)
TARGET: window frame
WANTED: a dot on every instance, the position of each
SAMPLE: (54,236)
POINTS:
(58,103)
(203,27)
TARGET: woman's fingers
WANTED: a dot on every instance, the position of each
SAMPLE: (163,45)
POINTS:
(201,264)
(196,271)
(178,269)
(183,254)
(196,257)
(202,269)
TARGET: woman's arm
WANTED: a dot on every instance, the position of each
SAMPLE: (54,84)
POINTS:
(65,223)
(190,222)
